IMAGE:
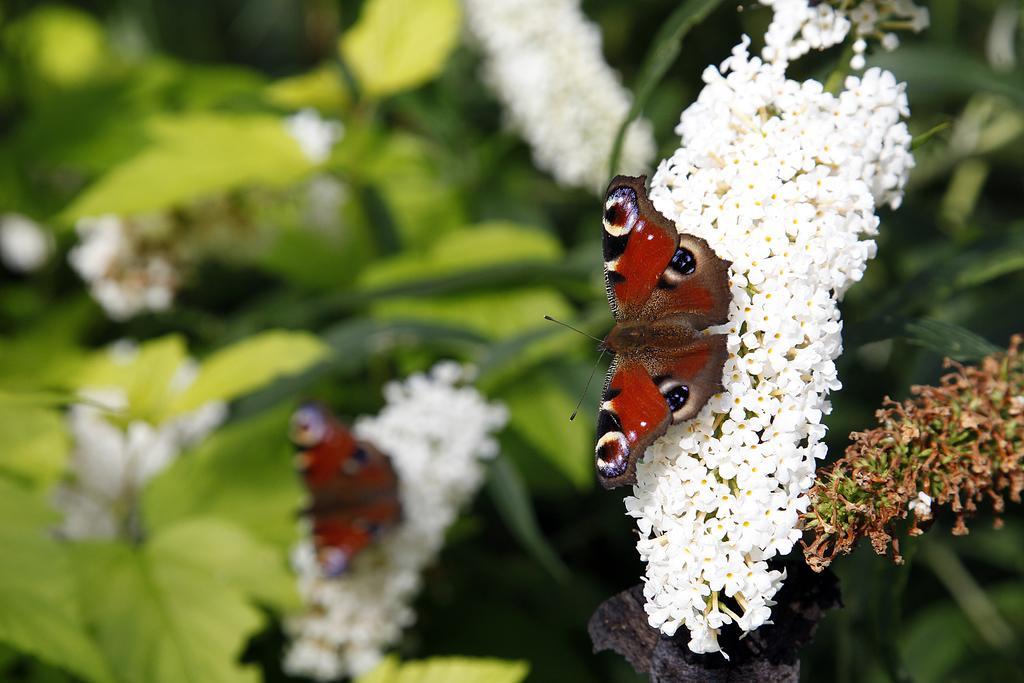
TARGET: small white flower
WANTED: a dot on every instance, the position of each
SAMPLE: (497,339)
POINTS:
(543,59)
(316,135)
(438,432)
(24,245)
(921,506)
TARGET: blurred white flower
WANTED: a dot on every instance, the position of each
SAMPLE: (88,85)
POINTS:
(799,26)
(782,179)
(324,197)
(24,245)
(110,464)
(543,59)
(437,432)
(316,135)
(124,275)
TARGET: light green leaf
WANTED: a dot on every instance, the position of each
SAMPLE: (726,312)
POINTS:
(474,248)
(195,155)
(510,497)
(58,45)
(248,365)
(447,670)
(145,374)
(948,339)
(539,408)
(174,609)
(243,474)
(34,442)
(323,88)
(38,609)
(231,555)
(494,315)
(399,44)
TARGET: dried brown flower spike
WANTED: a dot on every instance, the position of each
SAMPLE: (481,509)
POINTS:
(960,443)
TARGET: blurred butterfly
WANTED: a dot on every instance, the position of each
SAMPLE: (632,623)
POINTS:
(353,487)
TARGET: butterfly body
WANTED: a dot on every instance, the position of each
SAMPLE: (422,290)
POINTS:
(353,487)
(664,288)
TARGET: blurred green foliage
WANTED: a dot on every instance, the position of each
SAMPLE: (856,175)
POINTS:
(451,244)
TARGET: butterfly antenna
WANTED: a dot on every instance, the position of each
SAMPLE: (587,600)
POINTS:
(589,380)
(548,317)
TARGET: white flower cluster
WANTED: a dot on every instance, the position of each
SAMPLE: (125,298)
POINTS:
(125,275)
(543,58)
(782,179)
(110,464)
(797,26)
(24,245)
(437,432)
(316,135)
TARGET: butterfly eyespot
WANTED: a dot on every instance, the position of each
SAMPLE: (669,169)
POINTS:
(361,456)
(308,426)
(677,397)
(683,261)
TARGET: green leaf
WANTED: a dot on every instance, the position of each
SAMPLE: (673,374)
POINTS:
(248,365)
(174,609)
(539,408)
(146,375)
(194,155)
(323,88)
(38,610)
(243,474)
(474,248)
(946,71)
(399,44)
(447,670)
(58,45)
(495,315)
(232,555)
(948,339)
(510,497)
(35,443)
(663,52)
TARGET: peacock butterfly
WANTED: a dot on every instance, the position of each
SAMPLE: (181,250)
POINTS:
(663,288)
(353,487)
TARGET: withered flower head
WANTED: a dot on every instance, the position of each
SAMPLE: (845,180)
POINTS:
(960,443)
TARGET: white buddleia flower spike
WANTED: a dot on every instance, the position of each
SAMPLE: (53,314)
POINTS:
(543,59)
(110,462)
(438,432)
(782,179)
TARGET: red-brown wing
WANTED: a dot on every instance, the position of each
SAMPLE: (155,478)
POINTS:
(653,272)
(341,534)
(638,244)
(689,374)
(646,393)
(633,414)
(353,487)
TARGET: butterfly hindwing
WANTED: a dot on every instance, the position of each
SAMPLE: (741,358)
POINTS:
(633,414)
(353,487)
